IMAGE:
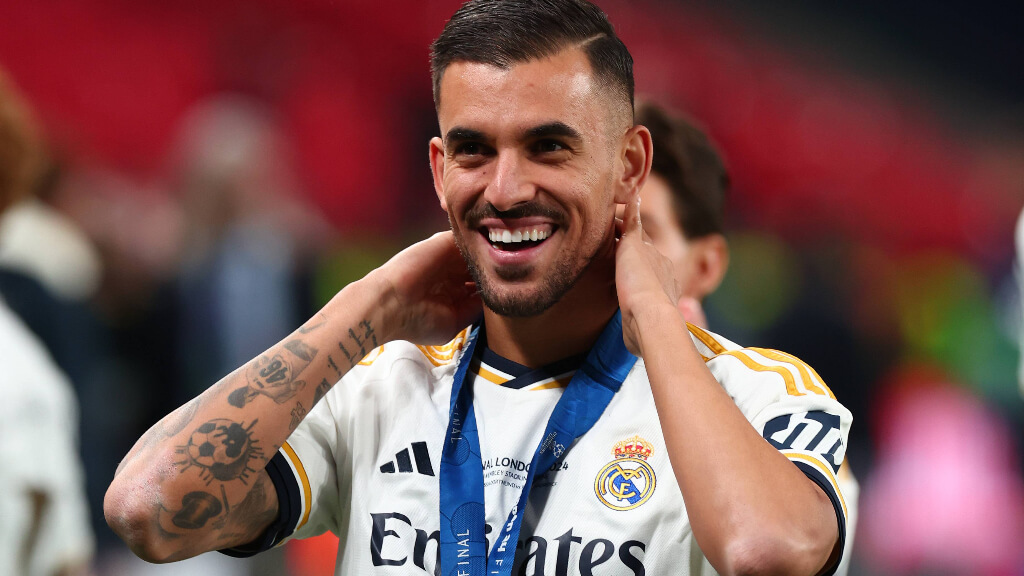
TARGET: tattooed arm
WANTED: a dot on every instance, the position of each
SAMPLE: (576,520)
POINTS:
(196,481)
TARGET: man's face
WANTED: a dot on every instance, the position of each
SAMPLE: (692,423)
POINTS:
(526,169)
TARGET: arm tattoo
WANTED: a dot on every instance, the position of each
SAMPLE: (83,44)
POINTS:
(197,508)
(333,365)
(247,520)
(275,376)
(221,450)
(170,426)
(233,525)
(358,342)
(298,413)
(321,390)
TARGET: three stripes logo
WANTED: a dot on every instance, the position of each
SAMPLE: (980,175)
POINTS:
(405,463)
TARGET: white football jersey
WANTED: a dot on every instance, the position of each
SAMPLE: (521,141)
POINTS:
(364,463)
(38,448)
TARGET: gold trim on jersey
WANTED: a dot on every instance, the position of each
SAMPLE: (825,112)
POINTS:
(306,491)
(809,379)
(441,355)
(488,375)
(793,455)
(500,378)
(802,367)
(749,362)
(707,339)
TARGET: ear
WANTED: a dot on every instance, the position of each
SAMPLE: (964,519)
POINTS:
(710,258)
(437,169)
(636,156)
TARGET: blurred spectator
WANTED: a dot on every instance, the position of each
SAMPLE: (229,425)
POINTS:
(69,267)
(242,280)
(945,496)
(43,512)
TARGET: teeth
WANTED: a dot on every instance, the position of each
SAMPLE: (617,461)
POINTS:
(509,236)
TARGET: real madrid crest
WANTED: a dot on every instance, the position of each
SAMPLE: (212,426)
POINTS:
(628,480)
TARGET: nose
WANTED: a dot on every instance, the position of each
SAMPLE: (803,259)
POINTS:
(509,186)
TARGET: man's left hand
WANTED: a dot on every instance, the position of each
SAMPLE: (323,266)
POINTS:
(644,279)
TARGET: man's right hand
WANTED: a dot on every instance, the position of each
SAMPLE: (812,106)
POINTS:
(166,500)
(428,293)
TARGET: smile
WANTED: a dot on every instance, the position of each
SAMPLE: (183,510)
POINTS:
(517,238)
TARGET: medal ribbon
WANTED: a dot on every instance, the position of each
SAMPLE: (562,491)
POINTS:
(463,541)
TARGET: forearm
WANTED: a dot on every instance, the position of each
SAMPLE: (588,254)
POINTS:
(196,481)
(748,505)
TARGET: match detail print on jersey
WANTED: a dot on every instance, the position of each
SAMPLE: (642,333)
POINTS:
(462,540)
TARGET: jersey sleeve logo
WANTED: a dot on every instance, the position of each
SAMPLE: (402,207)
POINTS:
(627,481)
(809,431)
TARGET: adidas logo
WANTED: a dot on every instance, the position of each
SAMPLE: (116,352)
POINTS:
(419,453)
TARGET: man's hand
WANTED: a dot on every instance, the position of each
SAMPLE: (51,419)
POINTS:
(429,295)
(169,504)
(643,277)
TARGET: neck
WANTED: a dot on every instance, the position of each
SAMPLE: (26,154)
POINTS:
(569,327)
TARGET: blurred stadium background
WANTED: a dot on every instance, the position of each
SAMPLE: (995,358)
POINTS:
(223,166)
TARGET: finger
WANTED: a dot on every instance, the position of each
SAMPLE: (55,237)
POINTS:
(620,227)
(631,218)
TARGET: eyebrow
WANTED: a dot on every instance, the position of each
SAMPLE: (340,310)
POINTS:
(548,130)
(553,129)
(460,134)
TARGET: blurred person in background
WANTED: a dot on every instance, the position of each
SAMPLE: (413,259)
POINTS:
(44,528)
(683,211)
(248,240)
(232,271)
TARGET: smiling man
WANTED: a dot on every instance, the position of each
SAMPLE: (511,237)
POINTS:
(535,441)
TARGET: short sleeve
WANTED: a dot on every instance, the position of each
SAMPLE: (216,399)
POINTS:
(789,404)
(305,476)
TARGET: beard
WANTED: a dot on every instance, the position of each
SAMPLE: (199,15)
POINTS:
(521,303)
(518,303)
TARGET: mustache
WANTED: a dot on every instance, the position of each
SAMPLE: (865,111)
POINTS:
(487,210)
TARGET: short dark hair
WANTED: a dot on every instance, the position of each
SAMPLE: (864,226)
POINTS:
(506,32)
(685,157)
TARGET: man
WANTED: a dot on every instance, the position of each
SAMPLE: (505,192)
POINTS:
(43,514)
(683,211)
(423,458)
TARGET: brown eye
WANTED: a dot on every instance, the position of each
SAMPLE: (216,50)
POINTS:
(468,149)
(549,146)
